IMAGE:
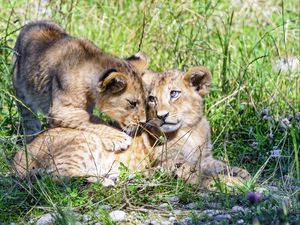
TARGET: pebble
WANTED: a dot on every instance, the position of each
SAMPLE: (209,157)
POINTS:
(204,195)
(174,200)
(118,215)
(188,221)
(273,188)
(172,219)
(154,222)
(211,212)
(47,219)
(166,223)
(105,207)
(213,205)
(86,218)
(237,209)
(286,65)
(240,222)
(192,206)
(164,205)
(98,223)
(223,217)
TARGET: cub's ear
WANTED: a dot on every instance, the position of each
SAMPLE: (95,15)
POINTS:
(148,77)
(200,78)
(112,82)
(139,61)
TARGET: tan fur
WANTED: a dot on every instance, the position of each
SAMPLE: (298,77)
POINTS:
(185,130)
(65,77)
(186,152)
(65,152)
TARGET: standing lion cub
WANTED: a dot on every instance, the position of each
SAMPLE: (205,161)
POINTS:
(65,77)
(175,104)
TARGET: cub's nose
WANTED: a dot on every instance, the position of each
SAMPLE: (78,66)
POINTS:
(162,114)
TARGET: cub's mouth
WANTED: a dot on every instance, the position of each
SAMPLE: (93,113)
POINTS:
(168,127)
(131,129)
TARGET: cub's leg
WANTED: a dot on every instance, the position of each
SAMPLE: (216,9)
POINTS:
(111,138)
(30,122)
(211,167)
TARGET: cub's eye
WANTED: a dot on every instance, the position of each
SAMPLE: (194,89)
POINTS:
(175,94)
(132,104)
(151,99)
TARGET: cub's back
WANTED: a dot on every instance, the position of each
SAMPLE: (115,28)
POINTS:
(70,152)
(34,39)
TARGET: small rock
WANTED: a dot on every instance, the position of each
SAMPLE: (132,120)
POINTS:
(297,116)
(166,223)
(187,221)
(286,65)
(174,200)
(154,223)
(211,212)
(265,111)
(164,205)
(98,223)
(147,222)
(191,206)
(285,123)
(178,223)
(105,207)
(118,215)
(237,209)
(204,195)
(172,219)
(276,153)
(213,205)
(240,222)
(273,188)
(223,217)
(47,219)
(31,221)
(86,218)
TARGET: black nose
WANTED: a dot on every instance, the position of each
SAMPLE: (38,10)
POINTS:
(162,115)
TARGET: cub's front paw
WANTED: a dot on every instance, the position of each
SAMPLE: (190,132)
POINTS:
(239,172)
(117,141)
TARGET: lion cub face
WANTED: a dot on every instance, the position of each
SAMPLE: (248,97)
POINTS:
(123,96)
(176,98)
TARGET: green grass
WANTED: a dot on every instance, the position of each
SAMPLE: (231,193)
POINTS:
(250,100)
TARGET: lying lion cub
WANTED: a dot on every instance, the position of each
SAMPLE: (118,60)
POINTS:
(65,77)
(176,98)
(176,102)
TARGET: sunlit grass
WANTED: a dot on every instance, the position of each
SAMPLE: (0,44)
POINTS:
(252,106)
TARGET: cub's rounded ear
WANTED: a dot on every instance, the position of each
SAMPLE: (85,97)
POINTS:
(148,78)
(112,82)
(139,61)
(200,78)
